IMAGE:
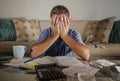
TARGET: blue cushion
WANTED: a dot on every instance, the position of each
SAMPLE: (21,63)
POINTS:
(115,33)
(7,30)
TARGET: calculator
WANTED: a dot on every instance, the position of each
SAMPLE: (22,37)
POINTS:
(49,72)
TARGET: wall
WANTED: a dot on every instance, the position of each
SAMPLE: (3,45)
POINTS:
(79,9)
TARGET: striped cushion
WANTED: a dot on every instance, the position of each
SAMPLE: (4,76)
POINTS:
(7,30)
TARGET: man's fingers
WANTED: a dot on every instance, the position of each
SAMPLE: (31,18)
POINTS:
(59,24)
(70,20)
(62,20)
(57,19)
(65,21)
(53,18)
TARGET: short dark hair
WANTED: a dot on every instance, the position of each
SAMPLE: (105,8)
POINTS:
(59,9)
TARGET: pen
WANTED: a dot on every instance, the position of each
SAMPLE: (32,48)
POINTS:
(30,59)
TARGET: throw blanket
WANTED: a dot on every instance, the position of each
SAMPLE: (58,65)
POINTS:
(115,33)
(7,30)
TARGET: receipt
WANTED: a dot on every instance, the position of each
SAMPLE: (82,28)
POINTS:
(101,62)
(79,72)
(118,68)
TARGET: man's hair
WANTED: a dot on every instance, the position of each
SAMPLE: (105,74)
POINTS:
(59,9)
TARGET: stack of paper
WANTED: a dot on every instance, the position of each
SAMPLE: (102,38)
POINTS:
(85,73)
(68,61)
(20,63)
(101,62)
(60,60)
(46,60)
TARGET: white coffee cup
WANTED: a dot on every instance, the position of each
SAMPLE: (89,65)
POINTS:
(19,51)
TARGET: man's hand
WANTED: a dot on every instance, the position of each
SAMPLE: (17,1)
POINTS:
(55,25)
(60,25)
(64,24)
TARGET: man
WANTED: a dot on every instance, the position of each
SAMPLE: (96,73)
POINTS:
(59,40)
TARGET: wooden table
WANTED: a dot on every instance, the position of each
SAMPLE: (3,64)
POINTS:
(10,74)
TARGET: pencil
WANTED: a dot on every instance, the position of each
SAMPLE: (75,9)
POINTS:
(31,59)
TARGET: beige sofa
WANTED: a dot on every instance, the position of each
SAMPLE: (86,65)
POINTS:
(110,50)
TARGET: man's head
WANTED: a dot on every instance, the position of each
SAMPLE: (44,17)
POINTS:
(58,10)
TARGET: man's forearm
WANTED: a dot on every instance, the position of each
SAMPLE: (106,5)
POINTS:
(40,48)
(78,48)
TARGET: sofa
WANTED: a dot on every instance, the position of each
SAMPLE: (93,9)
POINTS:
(99,35)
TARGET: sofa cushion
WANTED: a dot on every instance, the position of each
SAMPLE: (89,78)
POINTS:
(99,29)
(7,30)
(26,30)
(89,29)
(103,30)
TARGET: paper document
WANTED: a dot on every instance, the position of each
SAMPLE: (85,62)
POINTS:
(46,60)
(20,63)
(60,60)
(85,73)
(118,68)
(101,62)
(68,61)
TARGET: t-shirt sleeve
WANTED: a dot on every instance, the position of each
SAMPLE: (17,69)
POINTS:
(44,35)
(77,37)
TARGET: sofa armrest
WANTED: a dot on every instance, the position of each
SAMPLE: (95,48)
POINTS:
(111,51)
(6,47)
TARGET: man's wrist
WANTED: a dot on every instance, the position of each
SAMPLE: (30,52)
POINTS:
(64,36)
(55,36)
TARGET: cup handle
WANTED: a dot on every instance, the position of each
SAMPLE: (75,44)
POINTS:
(25,48)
